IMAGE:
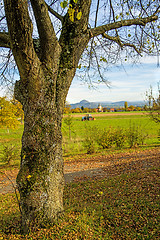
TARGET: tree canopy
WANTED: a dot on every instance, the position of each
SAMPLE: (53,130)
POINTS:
(116,30)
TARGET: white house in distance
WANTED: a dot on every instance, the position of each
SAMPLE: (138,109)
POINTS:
(99,108)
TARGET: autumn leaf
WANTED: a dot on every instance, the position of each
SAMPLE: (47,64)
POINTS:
(64,4)
(79,15)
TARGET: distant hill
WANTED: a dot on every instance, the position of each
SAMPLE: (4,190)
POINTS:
(87,104)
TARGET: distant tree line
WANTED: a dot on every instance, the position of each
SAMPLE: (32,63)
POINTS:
(11,112)
(68,109)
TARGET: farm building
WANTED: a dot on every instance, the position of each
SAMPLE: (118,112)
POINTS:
(99,108)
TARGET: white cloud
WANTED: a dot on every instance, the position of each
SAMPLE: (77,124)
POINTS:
(2,91)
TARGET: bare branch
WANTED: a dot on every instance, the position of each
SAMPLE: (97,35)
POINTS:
(138,21)
(20,32)
(95,24)
(120,43)
(2,18)
(96,14)
(55,13)
(4,40)
(48,40)
(157,10)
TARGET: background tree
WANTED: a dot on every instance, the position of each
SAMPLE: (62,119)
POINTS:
(153,104)
(126,106)
(67,108)
(68,120)
(94,109)
(138,108)
(105,109)
(86,110)
(89,34)
(131,107)
(8,117)
(18,109)
(82,108)
(76,110)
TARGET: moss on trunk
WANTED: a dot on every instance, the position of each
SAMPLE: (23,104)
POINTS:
(40,179)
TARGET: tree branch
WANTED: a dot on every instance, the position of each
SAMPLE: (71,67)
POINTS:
(4,40)
(95,24)
(20,33)
(73,40)
(54,13)
(120,43)
(48,39)
(104,28)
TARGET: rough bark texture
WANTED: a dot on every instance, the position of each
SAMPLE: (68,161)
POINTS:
(46,67)
(40,179)
(42,90)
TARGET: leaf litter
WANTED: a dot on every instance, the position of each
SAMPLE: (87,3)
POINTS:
(120,202)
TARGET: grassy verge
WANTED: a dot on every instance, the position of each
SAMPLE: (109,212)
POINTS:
(121,207)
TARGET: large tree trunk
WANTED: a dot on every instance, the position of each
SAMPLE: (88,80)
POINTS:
(40,179)
(46,73)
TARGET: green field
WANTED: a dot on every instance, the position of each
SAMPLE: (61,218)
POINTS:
(115,120)
(81,129)
(73,145)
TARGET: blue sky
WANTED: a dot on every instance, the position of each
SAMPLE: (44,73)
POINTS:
(126,85)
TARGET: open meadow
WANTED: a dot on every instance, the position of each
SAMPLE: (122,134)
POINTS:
(78,134)
(129,122)
(123,203)
(117,120)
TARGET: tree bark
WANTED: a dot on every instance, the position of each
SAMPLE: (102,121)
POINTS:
(42,90)
(40,179)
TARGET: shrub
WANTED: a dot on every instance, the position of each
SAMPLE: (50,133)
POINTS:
(89,142)
(8,154)
(136,135)
(158,135)
(119,137)
(89,145)
(105,138)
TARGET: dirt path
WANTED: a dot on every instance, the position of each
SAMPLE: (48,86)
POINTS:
(110,114)
(95,167)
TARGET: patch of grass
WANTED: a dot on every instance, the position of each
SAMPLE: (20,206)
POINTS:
(118,121)
(121,207)
(13,138)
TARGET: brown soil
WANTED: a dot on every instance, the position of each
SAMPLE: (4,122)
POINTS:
(110,114)
(94,167)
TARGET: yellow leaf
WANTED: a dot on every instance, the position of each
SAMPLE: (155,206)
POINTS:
(79,15)
(71,13)
(71,16)
(29,176)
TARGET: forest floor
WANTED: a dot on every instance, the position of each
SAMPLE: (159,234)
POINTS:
(94,167)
